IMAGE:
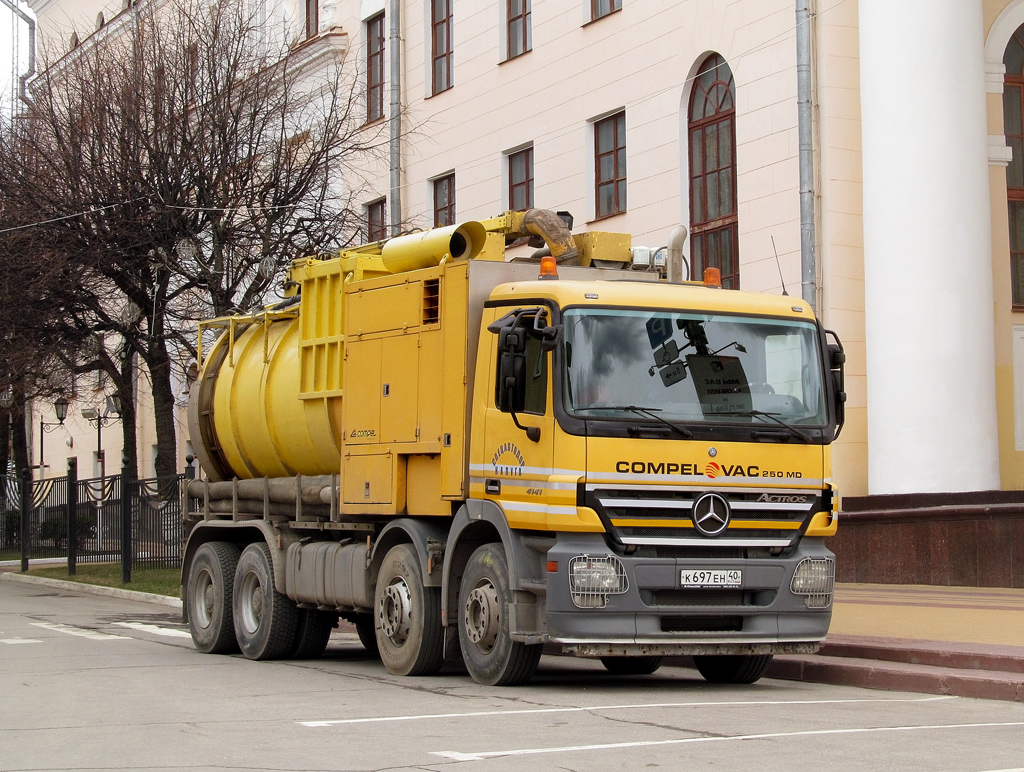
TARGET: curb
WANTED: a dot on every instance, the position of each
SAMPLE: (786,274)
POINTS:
(93,589)
(889,676)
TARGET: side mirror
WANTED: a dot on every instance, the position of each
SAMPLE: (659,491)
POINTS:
(510,394)
(837,369)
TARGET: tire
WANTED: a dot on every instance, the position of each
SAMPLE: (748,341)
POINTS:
(632,665)
(732,668)
(367,634)
(208,593)
(266,622)
(407,619)
(312,633)
(491,656)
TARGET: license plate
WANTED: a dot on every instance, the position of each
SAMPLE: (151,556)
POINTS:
(711,577)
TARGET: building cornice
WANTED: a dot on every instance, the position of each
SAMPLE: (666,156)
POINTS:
(40,6)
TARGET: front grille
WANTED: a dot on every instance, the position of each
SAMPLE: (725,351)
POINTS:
(711,597)
(663,515)
(698,598)
(715,624)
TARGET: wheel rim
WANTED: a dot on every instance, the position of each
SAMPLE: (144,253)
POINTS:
(482,617)
(251,602)
(395,605)
(203,598)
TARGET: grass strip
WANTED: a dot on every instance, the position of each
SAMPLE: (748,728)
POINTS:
(158,581)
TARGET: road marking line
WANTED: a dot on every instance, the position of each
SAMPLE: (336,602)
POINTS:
(15,641)
(155,630)
(640,706)
(482,755)
(93,635)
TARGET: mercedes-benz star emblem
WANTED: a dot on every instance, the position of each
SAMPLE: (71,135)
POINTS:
(711,514)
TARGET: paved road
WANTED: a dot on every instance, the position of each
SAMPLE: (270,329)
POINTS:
(91,683)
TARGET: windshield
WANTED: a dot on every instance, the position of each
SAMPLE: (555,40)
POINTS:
(692,367)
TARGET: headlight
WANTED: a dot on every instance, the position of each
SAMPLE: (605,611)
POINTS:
(815,578)
(593,579)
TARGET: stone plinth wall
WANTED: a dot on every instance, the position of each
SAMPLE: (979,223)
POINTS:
(955,539)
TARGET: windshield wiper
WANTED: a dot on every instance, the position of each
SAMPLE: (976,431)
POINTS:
(650,412)
(790,430)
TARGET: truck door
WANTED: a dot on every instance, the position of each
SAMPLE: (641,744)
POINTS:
(519,425)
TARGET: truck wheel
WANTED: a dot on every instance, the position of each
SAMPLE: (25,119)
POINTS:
(210,583)
(367,635)
(732,668)
(491,656)
(266,622)
(631,665)
(408,617)
(312,633)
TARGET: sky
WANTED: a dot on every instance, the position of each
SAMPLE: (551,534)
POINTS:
(13,54)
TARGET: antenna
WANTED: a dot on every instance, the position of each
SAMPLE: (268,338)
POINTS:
(780,267)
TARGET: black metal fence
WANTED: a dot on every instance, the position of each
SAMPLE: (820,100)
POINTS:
(84,521)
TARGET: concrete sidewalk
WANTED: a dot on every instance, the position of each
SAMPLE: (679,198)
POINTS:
(964,641)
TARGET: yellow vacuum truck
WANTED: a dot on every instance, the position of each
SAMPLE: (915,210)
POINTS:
(473,457)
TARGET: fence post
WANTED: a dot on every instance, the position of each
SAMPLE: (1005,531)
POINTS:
(72,516)
(126,525)
(26,530)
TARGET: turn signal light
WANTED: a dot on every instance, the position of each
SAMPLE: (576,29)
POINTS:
(713,277)
(548,267)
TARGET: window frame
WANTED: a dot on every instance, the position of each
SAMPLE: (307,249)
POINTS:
(526,185)
(444,214)
(375,44)
(618,176)
(312,18)
(524,22)
(613,7)
(705,230)
(442,59)
(376,220)
(1014,193)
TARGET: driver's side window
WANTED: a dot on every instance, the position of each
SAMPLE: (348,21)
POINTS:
(535,398)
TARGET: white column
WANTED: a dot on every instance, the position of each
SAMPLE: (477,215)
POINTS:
(927,248)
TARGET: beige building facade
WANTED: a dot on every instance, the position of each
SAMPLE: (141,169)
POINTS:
(641,115)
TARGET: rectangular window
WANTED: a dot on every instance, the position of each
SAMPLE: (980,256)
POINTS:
(376,220)
(520,180)
(444,200)
(441,21)
(610,165)
(599,8)
(375,68)
(312,18)
(520,39)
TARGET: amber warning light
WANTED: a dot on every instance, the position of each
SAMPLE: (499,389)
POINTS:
(713,277)
(548,267)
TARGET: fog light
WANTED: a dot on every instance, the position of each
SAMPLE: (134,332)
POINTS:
(815,579)
(593,579)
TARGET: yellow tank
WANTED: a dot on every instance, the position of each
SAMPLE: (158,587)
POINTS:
(268,399)
(246,406)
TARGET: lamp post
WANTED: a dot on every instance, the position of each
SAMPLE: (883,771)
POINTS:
(109,415)
(60,409)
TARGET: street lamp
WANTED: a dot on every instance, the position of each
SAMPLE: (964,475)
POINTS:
(60,409)
(110,414)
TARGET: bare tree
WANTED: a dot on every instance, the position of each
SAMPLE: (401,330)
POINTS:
(178,165)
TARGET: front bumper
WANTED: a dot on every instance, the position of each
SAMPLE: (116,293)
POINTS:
(656,615)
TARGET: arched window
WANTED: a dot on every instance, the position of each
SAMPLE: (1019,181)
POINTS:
(714,240)
(1013,127)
